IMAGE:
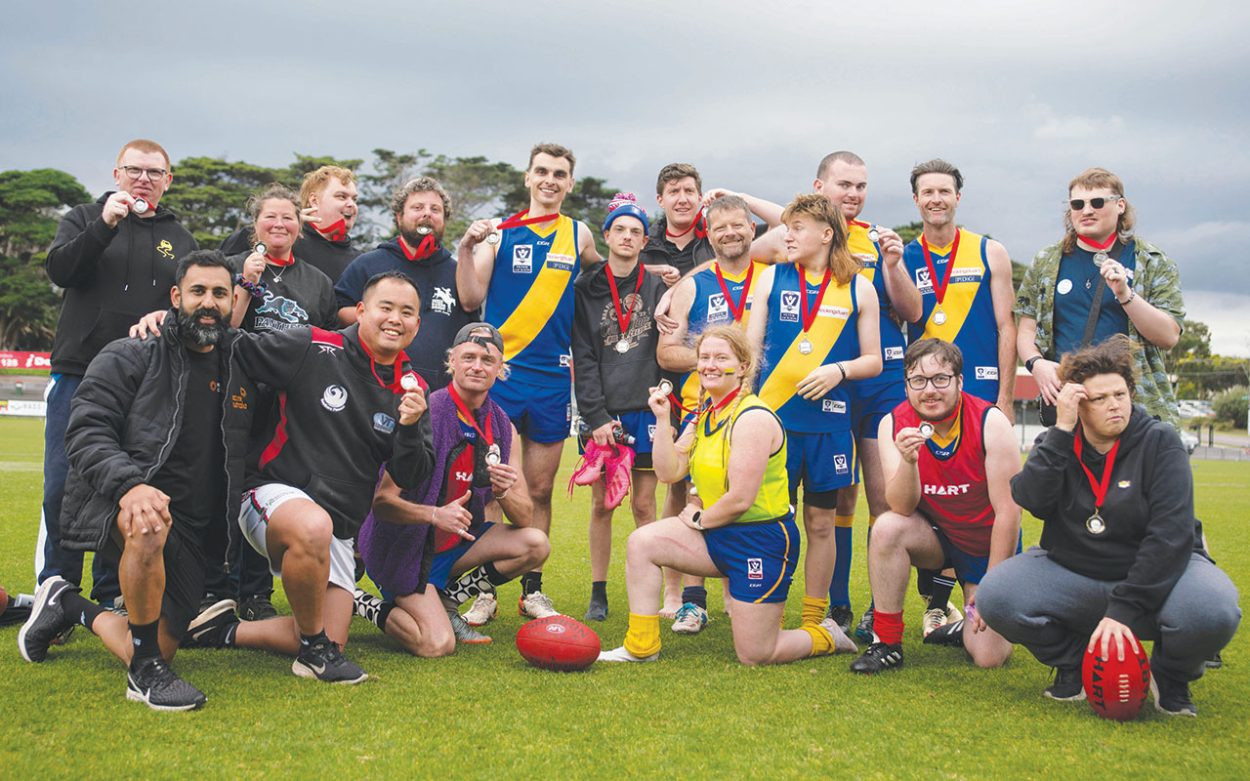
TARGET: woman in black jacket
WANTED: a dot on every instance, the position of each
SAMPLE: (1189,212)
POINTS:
(1121,553)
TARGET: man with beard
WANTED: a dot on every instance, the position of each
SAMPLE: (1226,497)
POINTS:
(421,208)
(328,200)
(157,511)
(948,457)
(115,258)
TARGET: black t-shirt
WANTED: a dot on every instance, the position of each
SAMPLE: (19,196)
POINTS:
(295,295)
(194,474)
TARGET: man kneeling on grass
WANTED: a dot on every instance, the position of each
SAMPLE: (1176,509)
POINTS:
(417,543)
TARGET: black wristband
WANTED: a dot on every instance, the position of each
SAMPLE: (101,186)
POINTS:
(1028,365)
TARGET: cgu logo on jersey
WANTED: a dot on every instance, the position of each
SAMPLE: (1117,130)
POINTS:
(987,372)
(284,308)
(523,259)
(165,249)
(334,398)
(929,489)
(442,301)
(836,406)
(789,306)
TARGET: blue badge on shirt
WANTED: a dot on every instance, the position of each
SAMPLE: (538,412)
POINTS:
(383,423)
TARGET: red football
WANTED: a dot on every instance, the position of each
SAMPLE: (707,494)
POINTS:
(1115,689)
(558,643)
(4,600)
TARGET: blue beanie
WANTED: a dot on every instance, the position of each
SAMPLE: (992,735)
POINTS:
(625,205)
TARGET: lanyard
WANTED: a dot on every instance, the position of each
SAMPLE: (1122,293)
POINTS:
(741,307)
(939,289)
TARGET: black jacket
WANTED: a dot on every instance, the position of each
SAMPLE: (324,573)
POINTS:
(330,257)
(111,276)
(660,250)
(1149,511)
(607,382)
(125,419)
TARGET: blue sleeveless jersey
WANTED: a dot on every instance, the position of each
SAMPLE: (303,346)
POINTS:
(893,342)
(968,306)
(834,336)
(530,298)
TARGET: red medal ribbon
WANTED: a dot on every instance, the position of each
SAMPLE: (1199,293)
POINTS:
(809,316)
(1099,487)
(699,226)
(676,402)
(427,247)
(519,220)
(856,223)
(939,290)
(741,307)
(1103,245)
(712,409)
(334,232)
(623,318)
(280,261)
(467,414)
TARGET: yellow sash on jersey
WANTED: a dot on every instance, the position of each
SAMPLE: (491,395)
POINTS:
(959,295)
(544,296)
(783,382)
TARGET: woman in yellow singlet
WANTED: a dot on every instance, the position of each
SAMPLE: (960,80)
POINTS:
(740,525)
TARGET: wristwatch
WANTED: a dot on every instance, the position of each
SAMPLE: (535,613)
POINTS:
(1028,365)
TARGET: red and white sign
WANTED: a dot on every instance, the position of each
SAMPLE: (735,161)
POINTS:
(40,362)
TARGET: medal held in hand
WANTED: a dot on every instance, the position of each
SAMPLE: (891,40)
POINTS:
(493,455)
(140,206)
(260,248)
(926,429)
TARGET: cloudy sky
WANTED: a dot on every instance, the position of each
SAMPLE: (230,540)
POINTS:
(1021,96)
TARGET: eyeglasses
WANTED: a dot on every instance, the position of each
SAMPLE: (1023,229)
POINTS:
(153,174)
(919,381)
(1078,204)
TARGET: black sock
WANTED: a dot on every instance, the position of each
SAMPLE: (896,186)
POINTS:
(384,612)
(941,594)
(924,582)
(695,594)
(82,610)
(306,640)
(599,591)
(145,643)
(493,576)
(470,584)
(531,582)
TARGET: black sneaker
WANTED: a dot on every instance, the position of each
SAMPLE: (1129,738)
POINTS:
(878,658)
(212,627)
(951,634)
(151,682)
(257,608)
(47,619)
(1172,697)
(1067,686)
(863,630)
(209,599)
(322,659)
(842,615)
(597,611)
(1215,662)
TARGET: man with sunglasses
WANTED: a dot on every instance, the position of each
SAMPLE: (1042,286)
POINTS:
(948,458)
(1100,280)
(116,260)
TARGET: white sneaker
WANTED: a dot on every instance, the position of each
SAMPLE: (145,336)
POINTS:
(621,655)
(690,619)
(535,605)
(952,613)
(934,619)
(483,611)
(842,643)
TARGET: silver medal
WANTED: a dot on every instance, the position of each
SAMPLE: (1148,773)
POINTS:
(1100,258)
(492,238)
(1095,524)
(622,347)
(665,387)
(805,347)
(424,230)
(926,429)
(260,248)
(140,206)
(409,382)
(939,317)
(874,235)
(493,456)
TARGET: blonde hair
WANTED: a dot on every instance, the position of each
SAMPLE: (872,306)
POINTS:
(272,192)
(740,346)
(816,206)
(315,181)
(1093,179)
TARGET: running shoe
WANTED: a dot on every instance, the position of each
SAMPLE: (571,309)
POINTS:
(322,659)
(464,633)
(878,658)
(151,682)
(535,604)
(483,610)
(690,619)
(47,619)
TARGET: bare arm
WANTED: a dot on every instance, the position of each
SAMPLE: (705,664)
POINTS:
(475,263)
(756,435)
(899,456)
(759,310)
(586,248)
(1003,298)
(673,353)
(904,295)
(767,211)
(671,460)
(770,248)
(1046,372)
(1002,462)
(508,482)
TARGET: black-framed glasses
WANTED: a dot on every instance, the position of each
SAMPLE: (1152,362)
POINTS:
(940,381)
(135,172)
(1078,204)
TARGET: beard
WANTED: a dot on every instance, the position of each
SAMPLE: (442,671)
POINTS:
(199,334)
(414,238)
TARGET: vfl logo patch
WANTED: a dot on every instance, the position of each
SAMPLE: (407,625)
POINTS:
(442,301)
(839,464)
(383,423)
(523,259)
(651,432)
(836,406)
(566,361)
(755,569)
(334,398)
(987,373)
(893,353)
(717,308)
(789,306)
(923,282)
(166,249)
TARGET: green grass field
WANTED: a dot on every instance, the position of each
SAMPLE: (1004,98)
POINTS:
(483,713)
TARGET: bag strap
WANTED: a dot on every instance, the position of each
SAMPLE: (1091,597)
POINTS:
(1092,321)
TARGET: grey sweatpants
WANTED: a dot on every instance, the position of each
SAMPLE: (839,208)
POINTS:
(1052,611)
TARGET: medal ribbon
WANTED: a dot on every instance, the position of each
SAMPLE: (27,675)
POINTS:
(699,226)
(939,290)
(711,409)
(283,262)
(809,316)
(623,318)
(467,414)
(519,220)
(1104,245)
(423,250)
(1099,487)
(741,307)
(334,232)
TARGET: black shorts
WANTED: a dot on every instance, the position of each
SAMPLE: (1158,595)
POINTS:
(188,556)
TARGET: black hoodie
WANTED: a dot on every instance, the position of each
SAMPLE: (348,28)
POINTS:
(328,256)
(111,276)
(1149,511)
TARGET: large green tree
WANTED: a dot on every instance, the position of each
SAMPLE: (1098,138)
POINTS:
(31,203)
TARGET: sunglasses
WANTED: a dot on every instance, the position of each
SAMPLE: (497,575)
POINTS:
(1078,204)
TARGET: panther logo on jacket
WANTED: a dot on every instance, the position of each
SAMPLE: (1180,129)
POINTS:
(284,308)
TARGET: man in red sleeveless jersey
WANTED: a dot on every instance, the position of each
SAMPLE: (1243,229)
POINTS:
(948,458)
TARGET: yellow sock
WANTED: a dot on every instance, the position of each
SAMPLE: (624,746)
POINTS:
(814,609)
(844,521)
(822,641)
(643,636)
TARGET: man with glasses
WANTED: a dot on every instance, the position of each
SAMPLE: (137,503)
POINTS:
(948,458)
(116,260)
(1100,280)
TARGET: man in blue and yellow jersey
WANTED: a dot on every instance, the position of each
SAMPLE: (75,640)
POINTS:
(967,298)
(817,323)
(525,277)
(717,295)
